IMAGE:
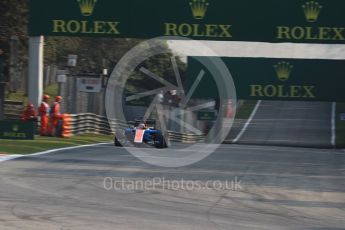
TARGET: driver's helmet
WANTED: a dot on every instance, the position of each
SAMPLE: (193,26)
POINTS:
(142,126)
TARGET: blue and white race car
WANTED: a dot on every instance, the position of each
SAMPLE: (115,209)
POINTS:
(139,134)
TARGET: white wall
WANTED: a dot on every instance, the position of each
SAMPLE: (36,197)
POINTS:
(260,49)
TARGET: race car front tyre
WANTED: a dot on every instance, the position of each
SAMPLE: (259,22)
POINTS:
(117,143)
(160,141)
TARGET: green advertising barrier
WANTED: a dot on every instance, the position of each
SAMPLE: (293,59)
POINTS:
(2,75)
(276,79)
(307,21)
(16,130)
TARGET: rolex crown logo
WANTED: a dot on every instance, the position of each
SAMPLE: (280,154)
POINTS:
(312,10)
(199,8)
(283,70)
(87,6)
(15,128)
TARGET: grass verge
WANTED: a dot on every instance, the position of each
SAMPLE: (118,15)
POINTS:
(18,96)
(340,126)
(48,143)
(51,90)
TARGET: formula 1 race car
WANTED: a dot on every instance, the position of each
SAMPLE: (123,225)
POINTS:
(139,134)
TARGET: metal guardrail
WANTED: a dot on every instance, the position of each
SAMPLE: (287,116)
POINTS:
(11,102)
(185,137)
(13,109)
(92,123)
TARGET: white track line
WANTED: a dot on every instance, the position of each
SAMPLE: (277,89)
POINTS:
(11,157)
(248,122)
(333,137)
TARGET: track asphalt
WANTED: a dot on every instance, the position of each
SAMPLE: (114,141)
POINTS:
(284,123)
(278,188)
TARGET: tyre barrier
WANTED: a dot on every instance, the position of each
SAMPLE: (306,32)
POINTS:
(66,125)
